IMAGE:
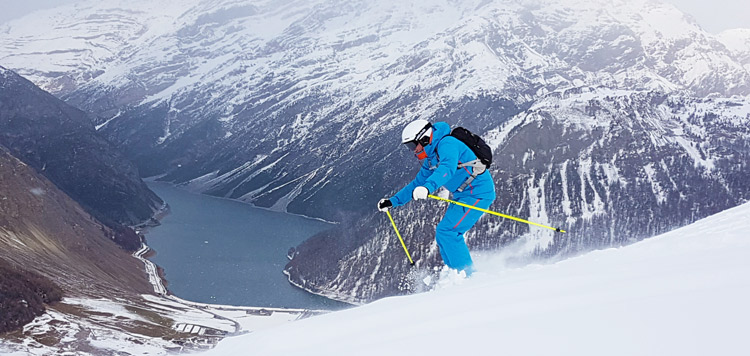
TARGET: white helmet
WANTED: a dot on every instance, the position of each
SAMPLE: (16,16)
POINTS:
(417,132)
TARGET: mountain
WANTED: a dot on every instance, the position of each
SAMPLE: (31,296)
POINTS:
(738,42)
(265,101)
(60,142)
(684,291)
(616,120)
(45,234)
(66,286)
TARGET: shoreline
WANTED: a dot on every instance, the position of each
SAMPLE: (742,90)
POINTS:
(161,290)
(242,319)
(181,187)
(151,270)
(321,294)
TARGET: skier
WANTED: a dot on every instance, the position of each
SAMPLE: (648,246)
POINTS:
(446,162)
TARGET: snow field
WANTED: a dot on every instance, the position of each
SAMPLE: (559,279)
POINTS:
(682,293)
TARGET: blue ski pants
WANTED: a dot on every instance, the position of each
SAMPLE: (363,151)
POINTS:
(450,231)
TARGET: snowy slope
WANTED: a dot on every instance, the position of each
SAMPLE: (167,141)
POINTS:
(682,293)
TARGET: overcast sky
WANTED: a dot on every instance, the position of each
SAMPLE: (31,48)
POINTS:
(714,15)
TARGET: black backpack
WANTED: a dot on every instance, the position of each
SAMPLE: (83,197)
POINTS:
(475,143)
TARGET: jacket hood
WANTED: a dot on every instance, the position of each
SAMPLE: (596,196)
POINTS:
(439,131)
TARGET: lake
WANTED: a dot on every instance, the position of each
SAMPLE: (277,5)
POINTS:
(222,251)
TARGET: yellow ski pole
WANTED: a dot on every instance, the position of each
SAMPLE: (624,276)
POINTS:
(557,229)
(399,236)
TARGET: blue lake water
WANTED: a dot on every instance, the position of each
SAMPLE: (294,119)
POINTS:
(225,252)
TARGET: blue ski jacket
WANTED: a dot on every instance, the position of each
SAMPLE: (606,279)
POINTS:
(440,168)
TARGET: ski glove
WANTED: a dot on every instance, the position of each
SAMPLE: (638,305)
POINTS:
(384,204)
(420,193)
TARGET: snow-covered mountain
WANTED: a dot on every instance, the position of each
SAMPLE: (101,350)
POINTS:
(176,46)
(683,293)
(615,119)
(738,41)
